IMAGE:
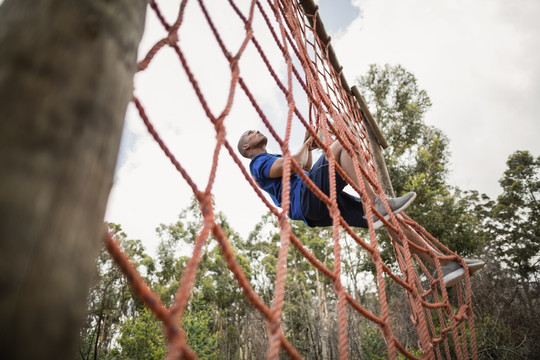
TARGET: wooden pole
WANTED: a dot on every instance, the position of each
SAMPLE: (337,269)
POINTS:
(66,77)
(380,164)
(377,133)
(376,137)
(374,143)
(310,8)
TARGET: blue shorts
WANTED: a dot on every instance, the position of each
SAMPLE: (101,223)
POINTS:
(315,210)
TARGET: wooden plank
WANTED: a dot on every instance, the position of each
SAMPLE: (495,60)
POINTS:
(310,8)
(369,119)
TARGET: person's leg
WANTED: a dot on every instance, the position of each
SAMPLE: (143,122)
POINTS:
(452,271)
(346,163)
(315,211)
(418,241)
(396,204)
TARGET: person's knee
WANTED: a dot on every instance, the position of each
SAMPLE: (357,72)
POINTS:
(336,145)
(337,149)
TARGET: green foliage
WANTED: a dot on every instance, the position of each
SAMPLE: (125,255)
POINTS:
(399,105)
(211,321)
(142,338)
(495,341)
(418,158)
(507,230)
(110,299)
(506,327)
(508,289)
(373,345)
(307,290)
(118,325)
(198,325)
(517,216)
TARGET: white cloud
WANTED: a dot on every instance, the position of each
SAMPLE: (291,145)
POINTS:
(478,61)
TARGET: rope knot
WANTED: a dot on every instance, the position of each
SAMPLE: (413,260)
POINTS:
(462,313)
(172,39)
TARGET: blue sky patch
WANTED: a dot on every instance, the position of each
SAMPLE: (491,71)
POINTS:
(337,15)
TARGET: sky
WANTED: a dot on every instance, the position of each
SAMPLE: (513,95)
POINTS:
(478,60)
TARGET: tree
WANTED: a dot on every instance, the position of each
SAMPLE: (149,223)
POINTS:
(506,292)
(418,158)
(141,337)
(119,325)
(110,300)
(507,289)
(399,106)
(214,319)
(66,79)
(517,220)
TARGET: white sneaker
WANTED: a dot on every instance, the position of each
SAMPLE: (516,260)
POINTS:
(454,272)
(396,204)
(474,264)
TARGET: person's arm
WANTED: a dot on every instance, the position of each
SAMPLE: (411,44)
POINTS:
(309,162)
(311,146)
(303,157)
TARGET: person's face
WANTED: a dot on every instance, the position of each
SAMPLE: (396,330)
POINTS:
(254,138)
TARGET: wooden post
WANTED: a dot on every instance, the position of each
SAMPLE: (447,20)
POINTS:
(377,133)
(376,138)
(376,142)
(66,77)
(380,164)
(310,8)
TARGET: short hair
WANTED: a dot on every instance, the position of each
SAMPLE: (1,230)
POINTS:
(241,150)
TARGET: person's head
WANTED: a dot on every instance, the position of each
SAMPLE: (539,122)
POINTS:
(251,143)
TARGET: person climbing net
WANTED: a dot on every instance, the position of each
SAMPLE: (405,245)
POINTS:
(318,98)
(268,170)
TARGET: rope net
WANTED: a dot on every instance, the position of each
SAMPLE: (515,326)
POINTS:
(281,36)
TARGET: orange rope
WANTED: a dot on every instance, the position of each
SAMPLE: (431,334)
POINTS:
(331,110)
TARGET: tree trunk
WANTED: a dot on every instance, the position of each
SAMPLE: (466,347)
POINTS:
(98,332)
(66,77)
(323,327)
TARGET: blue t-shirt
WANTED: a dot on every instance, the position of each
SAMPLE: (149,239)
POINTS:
(260,169)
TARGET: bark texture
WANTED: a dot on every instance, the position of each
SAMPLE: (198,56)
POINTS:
(66,77)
